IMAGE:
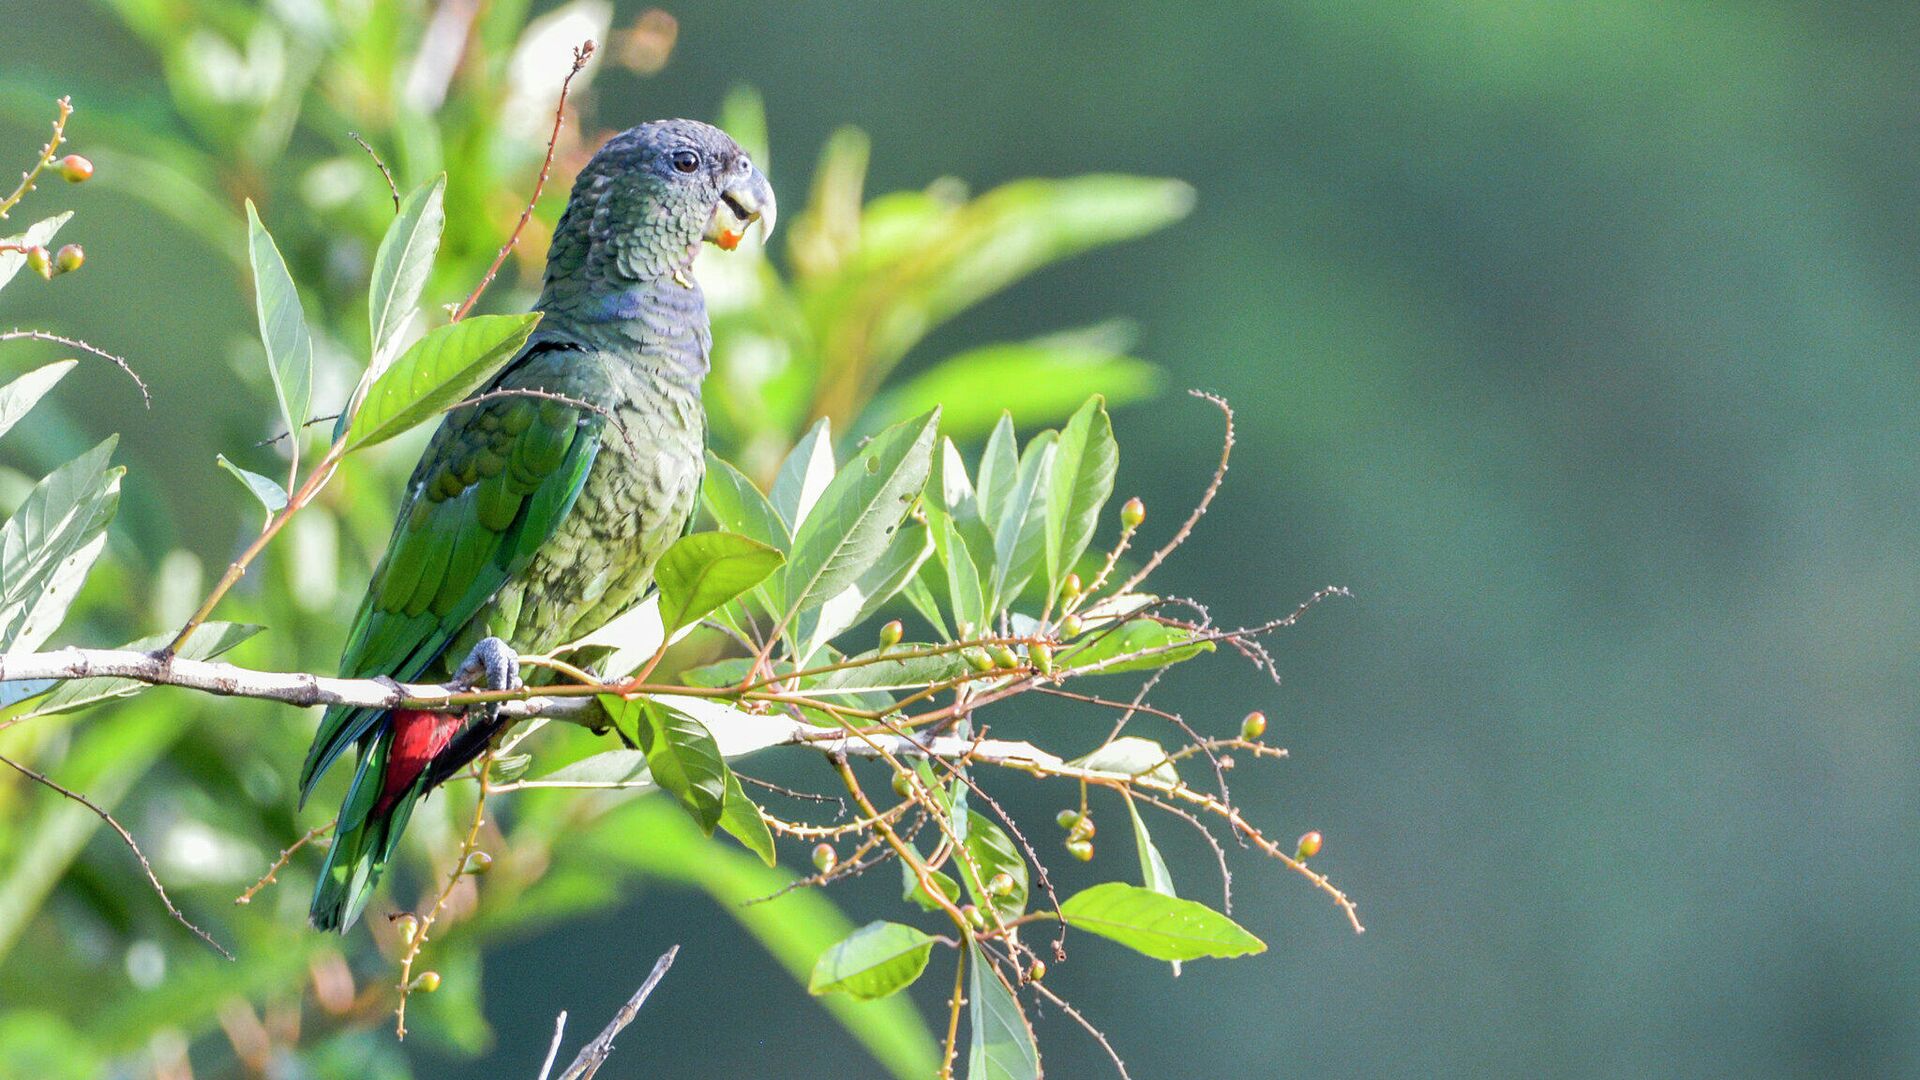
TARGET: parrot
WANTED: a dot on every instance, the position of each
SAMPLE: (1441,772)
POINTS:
(529,519)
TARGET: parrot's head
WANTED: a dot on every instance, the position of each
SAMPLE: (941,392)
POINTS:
(653,193)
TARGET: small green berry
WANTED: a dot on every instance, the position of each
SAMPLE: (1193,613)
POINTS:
(978,659)
(68,259)
(426,982)
(1041,654)
(974,917)
(825,858)
(1083,829)
(1070,626)
(1308,847)
(39,262)
(478,863)
(1133,513)
(1254,726)
(1000,884)
(74,168)
(1071,588)
(1003,657)
(891,633)
(408,925)
(902,784)
(1080,849)
(1038,971)
(1067,819)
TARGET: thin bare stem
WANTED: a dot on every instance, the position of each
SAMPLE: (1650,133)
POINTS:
(595,1053)
(31,176)
(388,176)
(18,334)
(280,863)
(553,1048)
(956,1002)
(425,924)
(145,866)
(1200,508)
(580,55)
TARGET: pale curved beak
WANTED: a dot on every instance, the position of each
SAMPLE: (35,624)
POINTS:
(747,198)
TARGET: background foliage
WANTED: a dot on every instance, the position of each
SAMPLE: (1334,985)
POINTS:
(1575,341)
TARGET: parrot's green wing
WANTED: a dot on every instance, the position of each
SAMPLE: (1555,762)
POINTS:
(493,485)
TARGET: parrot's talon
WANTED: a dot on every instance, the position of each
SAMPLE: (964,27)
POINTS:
(491,665)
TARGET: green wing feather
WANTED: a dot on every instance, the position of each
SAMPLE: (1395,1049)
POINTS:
(492,487)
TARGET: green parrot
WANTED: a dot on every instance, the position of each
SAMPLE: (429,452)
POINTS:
(529,521)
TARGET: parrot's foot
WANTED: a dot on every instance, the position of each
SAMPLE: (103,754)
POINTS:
(492,665)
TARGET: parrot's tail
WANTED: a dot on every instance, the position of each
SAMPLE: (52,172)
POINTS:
(385,788)
(353,868)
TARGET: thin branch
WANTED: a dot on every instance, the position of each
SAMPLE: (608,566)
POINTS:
(381,165)
(28,178)
(145,866)
(553,1049)
(1112,1055)
(594,1054)
(425,922)
(580,54)
(1200,508)
(18,334)
(279,864)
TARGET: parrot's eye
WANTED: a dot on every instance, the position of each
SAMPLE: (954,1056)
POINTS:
(686,160)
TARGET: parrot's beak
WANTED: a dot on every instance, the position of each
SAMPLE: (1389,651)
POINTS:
(745,199)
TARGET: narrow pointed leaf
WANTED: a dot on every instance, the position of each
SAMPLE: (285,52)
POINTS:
(738,506)
(401,266)
(1158,644)
(18,397)
(439,370)
(1019,542)
(1131,755)
(283,325)
(879,959)
(849,529)
(269,493)
(999,468)
(883,580)
(993,852)
(1083,468)
(1001,1042)
(702,571)
(1157,925)
(804,475)
(49,544)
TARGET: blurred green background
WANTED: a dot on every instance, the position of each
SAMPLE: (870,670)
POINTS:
(1578,340)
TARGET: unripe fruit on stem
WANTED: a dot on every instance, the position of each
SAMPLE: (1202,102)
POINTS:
(39,262)
(825,858)
(1080,849)
(478,863)
(68,259)
(408,925)
(974,918)
(1254,726)
(978,659)
(891,633)
(1071,588)
(902,784)
(1041,654)
(1070,626)
(426,982)
(1133,513)
(1308,847)
(1067,819)
(1083,829)
(1038,971)
(1003,657)
(1000,884)
(74,168)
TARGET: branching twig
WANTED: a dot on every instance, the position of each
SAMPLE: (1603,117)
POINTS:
(1199,508)
(595,1053)
(17,334)
(425,922)
(145,866)
(580,55)
(28,178)
(280,863)
(381,165)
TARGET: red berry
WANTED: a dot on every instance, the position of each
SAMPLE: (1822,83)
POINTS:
(75,168)
(1308,847)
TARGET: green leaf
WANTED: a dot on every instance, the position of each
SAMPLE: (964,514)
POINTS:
(1131,755)
(39,234)
(879,670)
(1019,542)
(743,821)
(1157,925)
(50,542)
(269,493)
(1164,644)
(911,890)
(960,574)
(879,959)
(1001,1043)
(849,529)
(999,470)
(1037,382)
(18,397)
(883,581)
(683,759)
(1083,468)
(401,266)
(804,475)
(702,571)
(993,851)
(283,326)
(207,641)
(737,505)
(436,372)
(1153,868)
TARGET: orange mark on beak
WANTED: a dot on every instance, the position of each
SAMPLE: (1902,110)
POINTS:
(728,239)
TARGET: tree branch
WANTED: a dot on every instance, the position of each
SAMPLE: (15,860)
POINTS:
(594,1054)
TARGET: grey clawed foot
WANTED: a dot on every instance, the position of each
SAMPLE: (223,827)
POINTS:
(492,665)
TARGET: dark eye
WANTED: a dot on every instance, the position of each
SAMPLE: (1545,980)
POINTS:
(686,160)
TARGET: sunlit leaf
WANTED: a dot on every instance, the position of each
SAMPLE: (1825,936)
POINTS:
(682,758)
(742,820)
(999,470)
(1131,755)
(265,490)
(50,542)
(1153,868)
(993,851)
(401,266)
(804,475)
(702,571)
(440,369)
(283,326)
(879,959)
(958,572)
(1161,644)
(1157,925)
(1020,535)
(1083,468)
(39,234)
(1001,1042)
(208,640)
(738,506)
(18,397)
(849,529)
(883,581)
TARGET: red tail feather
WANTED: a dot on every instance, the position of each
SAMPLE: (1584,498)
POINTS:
(418,738)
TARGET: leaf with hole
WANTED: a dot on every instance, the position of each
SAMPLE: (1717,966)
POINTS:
(1157,925)
(879,959)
